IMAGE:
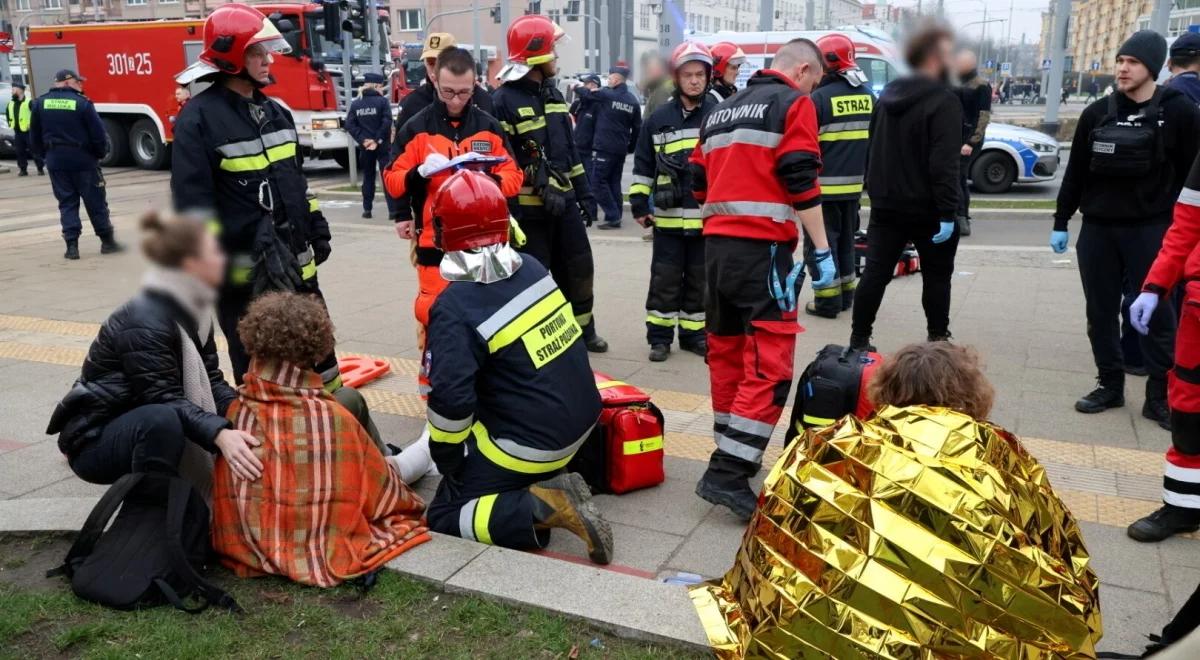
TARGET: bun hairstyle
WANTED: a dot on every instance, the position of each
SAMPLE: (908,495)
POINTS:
(167,242)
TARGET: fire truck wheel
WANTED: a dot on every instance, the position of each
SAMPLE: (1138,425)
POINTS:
(148,150)
(118,143)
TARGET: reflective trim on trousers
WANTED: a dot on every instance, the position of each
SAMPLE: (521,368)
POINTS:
(473,519)
(738,449)
(511,456)
(751,426)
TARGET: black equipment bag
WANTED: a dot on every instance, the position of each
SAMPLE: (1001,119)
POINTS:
(1128,151)
(153,552)
(832,386)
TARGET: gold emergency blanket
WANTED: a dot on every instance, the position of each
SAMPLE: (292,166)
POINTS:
(920,533)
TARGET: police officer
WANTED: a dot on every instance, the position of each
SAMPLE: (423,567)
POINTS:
(618,120)
(555,195)
(66,132)
(369,122)
(19,112)
(728,59)
(512,397)
(660,170)
(236,161)
(1184,64)
(844,104)
(583,111)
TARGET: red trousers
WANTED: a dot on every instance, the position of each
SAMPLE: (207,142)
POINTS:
(1181,478)
(430,284)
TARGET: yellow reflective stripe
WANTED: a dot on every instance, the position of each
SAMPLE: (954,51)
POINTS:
(483,513)
(515,232)
(842,189)
(681,145)
(576,171)
(530,125)
(555,107)
(850,286)
(660,321)
(259,161)
(605,384)
(314,205)
(817,421)
(454,438)
(308,270)
(843,135)
(583,319)
(557,186)
(691,325)
(539,59)
(508,128)
(678,223)
(213,226)
(639,189)
(832,292)
(529,200)
(240,275)
(527,320)
(334,385)
(631,447)
(498,456)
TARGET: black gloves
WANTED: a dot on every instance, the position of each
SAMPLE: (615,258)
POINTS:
(448,456)
(321,251)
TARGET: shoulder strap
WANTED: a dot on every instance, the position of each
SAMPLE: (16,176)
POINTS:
(97,520)
(1112,109)
(179,493)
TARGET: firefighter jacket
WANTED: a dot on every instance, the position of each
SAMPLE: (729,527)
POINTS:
(843,120)
(433,131)
(660,167)
(507,364)
(618,119)
(721,90)
(66,131)
(370,118)
(1179,257)
(757,162)
(19,112)
(237,161)
(534,115)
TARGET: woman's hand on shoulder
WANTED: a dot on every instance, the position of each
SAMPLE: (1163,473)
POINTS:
(235,446)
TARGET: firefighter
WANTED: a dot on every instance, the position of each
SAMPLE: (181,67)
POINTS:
(19,112)
(660,170)
(503,342)
(555,195)
(844,104)
(369,122)
(236,161)
(755,172)
(66,133)
(728,58)
(617,124)
(449,127)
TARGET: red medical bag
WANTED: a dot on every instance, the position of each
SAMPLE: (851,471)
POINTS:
(625,451)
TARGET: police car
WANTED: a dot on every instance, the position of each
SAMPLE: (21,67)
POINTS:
(1010,154)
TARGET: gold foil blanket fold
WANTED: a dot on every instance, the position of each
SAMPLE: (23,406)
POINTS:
(920,533)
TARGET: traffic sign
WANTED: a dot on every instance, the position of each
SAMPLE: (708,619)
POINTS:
(990,64)
(1046,64)
(6,42)
(1095,65)
(1006,68)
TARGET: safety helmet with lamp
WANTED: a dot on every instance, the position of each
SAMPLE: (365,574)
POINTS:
(229,32)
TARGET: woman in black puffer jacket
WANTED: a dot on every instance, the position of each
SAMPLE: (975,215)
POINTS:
(151,380)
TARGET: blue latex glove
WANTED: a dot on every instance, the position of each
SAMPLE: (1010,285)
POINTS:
(1141,310)
(945,231)
(1058,241)
(822,262)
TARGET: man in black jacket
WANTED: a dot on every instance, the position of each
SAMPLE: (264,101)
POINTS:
(975,93)
(1130,155)
(912,179)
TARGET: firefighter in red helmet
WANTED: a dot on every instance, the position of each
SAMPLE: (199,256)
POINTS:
(555,201)
(236,163)
(728,58)
(844,103)
(503,341)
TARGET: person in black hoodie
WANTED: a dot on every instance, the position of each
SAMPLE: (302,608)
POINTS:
(1124,173)
(912,180)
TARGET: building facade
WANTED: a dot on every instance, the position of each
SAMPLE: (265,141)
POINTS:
(1185,13)
(1099,27)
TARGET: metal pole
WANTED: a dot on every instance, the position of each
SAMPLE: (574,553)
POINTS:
(372,20)
(1058,54)
(348,82)
(1160,17)
(454,12)
(605,40)
(476,35)
(627,31)
(810,17)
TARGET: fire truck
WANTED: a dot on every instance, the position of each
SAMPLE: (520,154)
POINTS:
(410,74)
(130,69)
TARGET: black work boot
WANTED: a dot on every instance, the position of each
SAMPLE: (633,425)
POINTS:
(596,344)
(565,502)
(1157,410)
(22,173)
(109,245)
(699,346)
(1164,523)
(1100,399)
(813,309)
(939,336)
(860,343)
(366,214)
(659,352)
(72,252)
(731,493)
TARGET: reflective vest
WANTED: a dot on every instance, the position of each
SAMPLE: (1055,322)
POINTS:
(19,114)
(757,162)
(844,120)
(535,118)
(668,137)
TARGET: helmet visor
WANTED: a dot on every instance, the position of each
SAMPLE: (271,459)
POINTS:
(271,39)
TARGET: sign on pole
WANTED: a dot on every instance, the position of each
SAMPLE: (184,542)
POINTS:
(1006,68)
(6,42)
(1046,64)
(990,64)
(1095,65)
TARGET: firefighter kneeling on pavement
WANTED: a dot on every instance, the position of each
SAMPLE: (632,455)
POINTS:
(512,396)
(844,104)
(660,168)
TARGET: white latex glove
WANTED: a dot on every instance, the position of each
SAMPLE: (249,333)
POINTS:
(433,163)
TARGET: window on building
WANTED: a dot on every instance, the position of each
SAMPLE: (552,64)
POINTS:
(554,15)
(644,17)
(23,5)
(52,4)
(135,3)
(166,2)
(707,24)
(408,20)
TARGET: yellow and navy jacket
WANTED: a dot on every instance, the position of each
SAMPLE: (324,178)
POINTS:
(843,119)
(535,115)
(235,159)
(508,369)
(19,113)
(66,131)
(670,134)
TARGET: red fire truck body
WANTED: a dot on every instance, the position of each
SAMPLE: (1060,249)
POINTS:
(130,69)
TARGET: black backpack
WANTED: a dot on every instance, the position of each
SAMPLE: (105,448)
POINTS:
(153,552)
(1128,151)
(831,387)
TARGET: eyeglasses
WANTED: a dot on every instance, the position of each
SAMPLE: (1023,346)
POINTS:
(451,94)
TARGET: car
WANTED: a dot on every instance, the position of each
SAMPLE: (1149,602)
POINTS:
(1013,154)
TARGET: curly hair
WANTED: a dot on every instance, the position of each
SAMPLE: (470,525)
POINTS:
(287,327)
(933,374)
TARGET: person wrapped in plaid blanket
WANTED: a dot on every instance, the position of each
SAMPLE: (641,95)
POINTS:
(315,500)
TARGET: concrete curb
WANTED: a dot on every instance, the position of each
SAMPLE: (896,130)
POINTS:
(628,606)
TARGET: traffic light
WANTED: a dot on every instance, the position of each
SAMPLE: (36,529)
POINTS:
(495,13)
(332,16)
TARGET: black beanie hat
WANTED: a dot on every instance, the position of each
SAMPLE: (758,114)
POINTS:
(1147,47)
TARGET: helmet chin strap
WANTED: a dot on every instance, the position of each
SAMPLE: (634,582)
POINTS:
(254,81)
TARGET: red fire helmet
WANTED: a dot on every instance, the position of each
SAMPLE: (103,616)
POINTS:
(531,42)
(228,33)
(725,54)
(469,211)
(838,52)
(690,51)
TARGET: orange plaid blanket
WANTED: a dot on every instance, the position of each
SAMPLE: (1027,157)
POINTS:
(328,506)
